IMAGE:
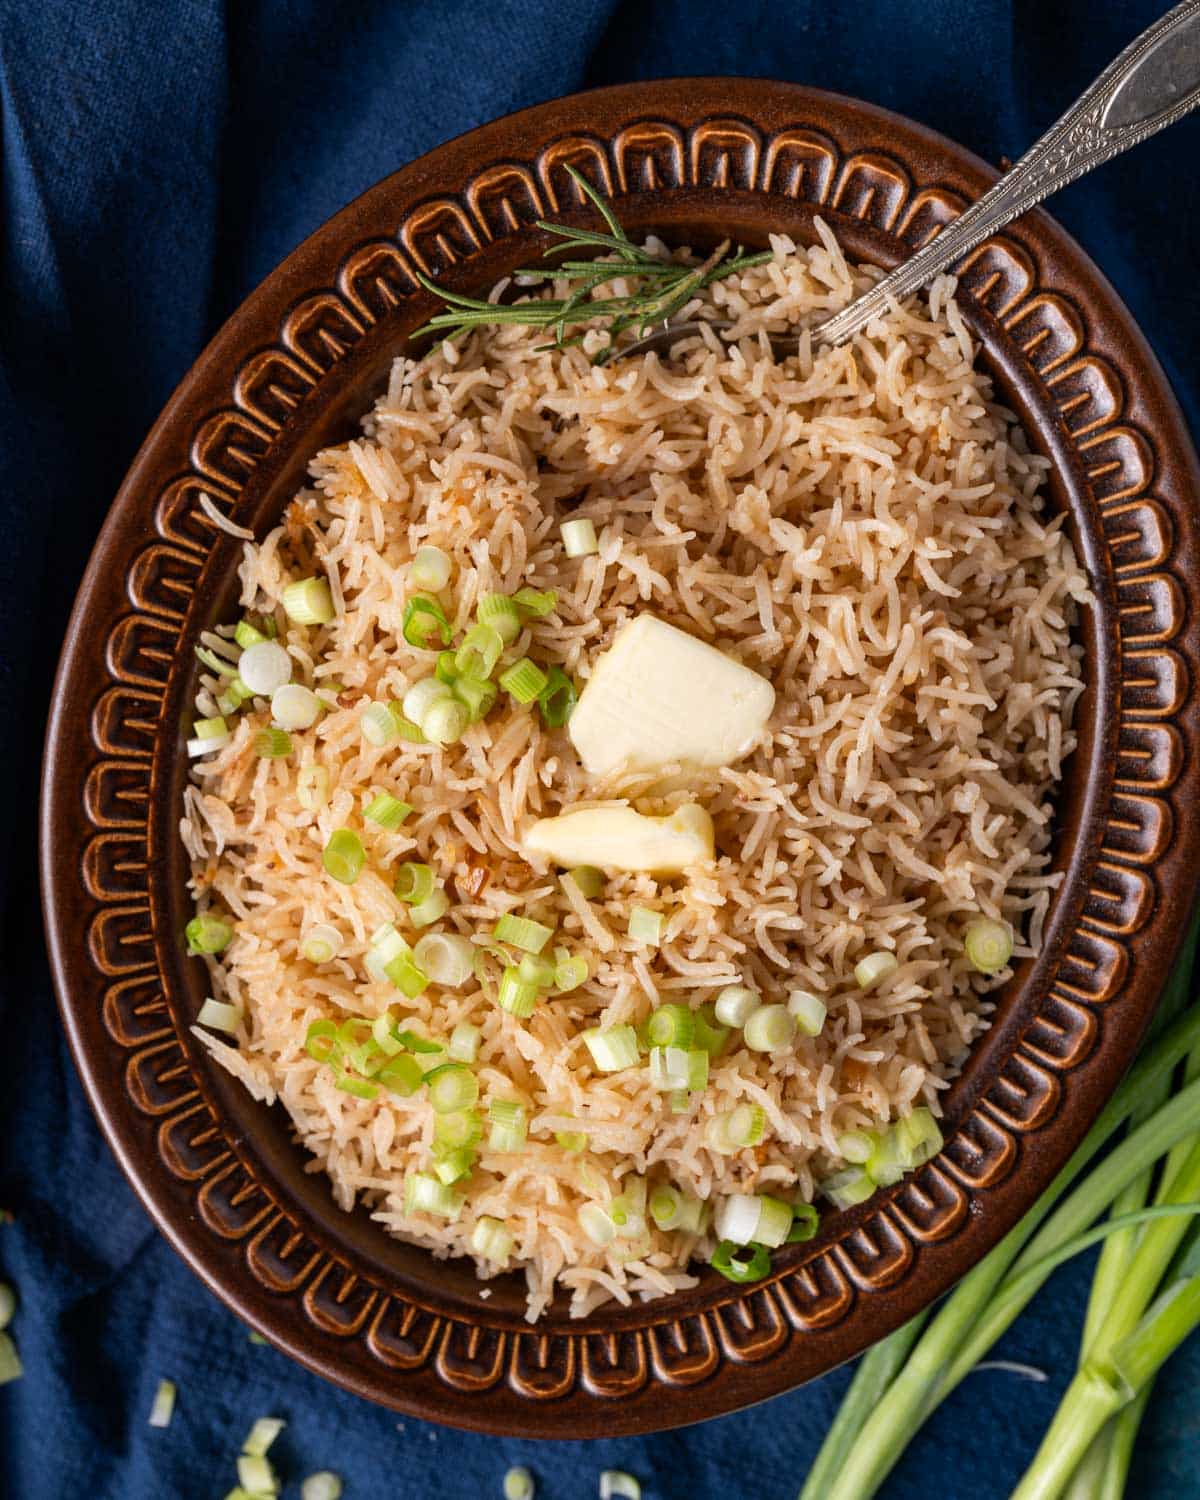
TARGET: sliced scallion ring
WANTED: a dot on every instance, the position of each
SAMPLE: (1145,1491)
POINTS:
(423,619)
(414,882)
(557,700)
(421,697)
(308,602)
(874,969)
(597,1224)
(988,945)
(423,1193)
(343,856)
(219,1016)
(449,960)
(670,1026)
(163,1408)
(579,537)
(452,1087)
(524,680)
(272,744)
(430,569)
(646,926)
(770,1028)
(323,1485)
(499,613)
(736,1004)
(517,996)
(294,707)
(534,603)
(432,909)
(207,933)
(522,932)
(508,1125)
(386,811)
(613,1048)
(446,721)
(492,1239)
(481,649)
(809,1012)
(741,1263)
(589,881)
(400,1075)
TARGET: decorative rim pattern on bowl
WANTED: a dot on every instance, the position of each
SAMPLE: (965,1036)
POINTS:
(700,148)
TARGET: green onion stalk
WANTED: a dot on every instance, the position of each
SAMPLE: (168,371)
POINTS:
(903,1380)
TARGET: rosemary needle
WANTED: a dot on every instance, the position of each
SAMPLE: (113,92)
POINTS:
(659,288)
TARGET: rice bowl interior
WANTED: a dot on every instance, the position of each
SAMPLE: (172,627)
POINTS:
(861,529)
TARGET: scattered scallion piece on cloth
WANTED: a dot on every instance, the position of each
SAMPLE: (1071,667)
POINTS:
(616,1484)
(8,1305)
(163,1407)
(518,1484)
(324,1485)
(261,1435)
(10,1361)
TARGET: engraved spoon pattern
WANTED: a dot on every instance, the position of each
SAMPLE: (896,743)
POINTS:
(1153,83)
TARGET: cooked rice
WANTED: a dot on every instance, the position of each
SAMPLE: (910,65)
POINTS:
(862,525)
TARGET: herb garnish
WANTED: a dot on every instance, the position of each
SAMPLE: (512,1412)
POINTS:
(663,286)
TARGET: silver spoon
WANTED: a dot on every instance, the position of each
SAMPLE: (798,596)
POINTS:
(1153,83)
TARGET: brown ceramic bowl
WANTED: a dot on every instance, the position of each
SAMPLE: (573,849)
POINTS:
(293,370)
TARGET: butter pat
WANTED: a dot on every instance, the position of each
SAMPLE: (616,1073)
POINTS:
(659,695)
(618,838)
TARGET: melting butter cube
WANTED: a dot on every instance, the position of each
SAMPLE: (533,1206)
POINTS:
(618,838)
(659,695)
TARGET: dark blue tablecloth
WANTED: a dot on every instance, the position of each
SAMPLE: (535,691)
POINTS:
(160,156)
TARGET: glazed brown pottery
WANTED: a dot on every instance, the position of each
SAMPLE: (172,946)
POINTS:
(293,370)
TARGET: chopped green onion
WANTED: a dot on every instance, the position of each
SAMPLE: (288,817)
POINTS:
(845,1189)
(312,787)
(10,1361)
(499,613)
(406,976)
(508,1125)
(423,1193)
(988,945)
(320,1041)
(492,1239)
(482,647)
(401,1075)
(219,1016)
(447,959)
(218,664)
(710,1034)
(805,1223)
(323,1485)
(557,700)
(207,934)
(8,1305)
(476,696)
(430,569)
(210,729)
(746,1218)
(741,1263)
(424,618)
(572,1140)
(293,706)
(422,696)
(697,1076)
(163,1408)
(524,680)
(522,932)
(432,909)
(672,1209)
(517,996)
(735,1129)
(464,1039)
(770,1028)
(308,602)
(262,1435)
(670,1026)
(343,856)
(809,1012)
(387,944)
(414,882)
(579,537)
(628,1209)
(736,1004)
(646,926)
(669,1067)
(383,1033)
(856,1146)
(597,1224)
(453,1166)
(247,635)
(920,1137)
(386,811)
(570,971)
(359,1087)
(233,697)
(680,1100)
(531,602)
(452,1087)
(589,881)
(256,1475)
(445,671)
(272,744)
(264,667)
(415,1042)
(612,1047)
(405,728)
(535,970)
(457,1131)
(874,969)
(378,725)
(445,722)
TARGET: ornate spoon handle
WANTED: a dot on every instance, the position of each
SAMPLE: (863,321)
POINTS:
(1153,83)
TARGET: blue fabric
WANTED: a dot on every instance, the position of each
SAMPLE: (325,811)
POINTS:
(159,159)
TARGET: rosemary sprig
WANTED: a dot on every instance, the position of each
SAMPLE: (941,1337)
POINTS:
(661,287)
